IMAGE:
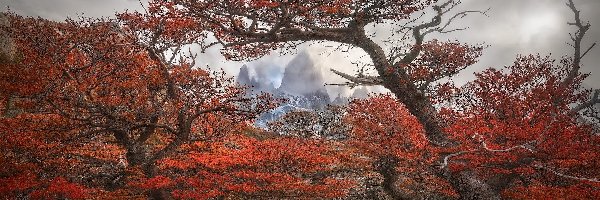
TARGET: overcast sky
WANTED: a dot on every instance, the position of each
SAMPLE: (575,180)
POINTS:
(513,27)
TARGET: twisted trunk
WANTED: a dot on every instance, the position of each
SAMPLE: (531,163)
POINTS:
(397,80)
(386,166)
(470,186)
(154,194)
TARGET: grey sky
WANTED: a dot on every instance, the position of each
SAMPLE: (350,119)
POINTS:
(513,27)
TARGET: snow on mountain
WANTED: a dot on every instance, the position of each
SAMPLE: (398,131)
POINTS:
(302,85)
(302,76)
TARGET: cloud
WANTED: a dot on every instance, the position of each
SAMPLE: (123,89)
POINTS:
(59,10)
(513,27)
(527,27)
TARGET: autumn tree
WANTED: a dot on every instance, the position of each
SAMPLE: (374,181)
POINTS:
(113,108)
(525,125)
(519,131)
(252,29)
(124,83)
(410,66)
(384,130)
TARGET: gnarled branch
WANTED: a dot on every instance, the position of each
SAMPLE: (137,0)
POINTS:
(593,101)
(577,39)
(357,80)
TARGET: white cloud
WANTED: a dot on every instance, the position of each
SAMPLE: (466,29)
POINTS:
(514,27)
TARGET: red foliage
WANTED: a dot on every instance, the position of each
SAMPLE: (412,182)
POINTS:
(519,121)
(541,191)
(114,108)
(94,101)
(382,127)
(246,167)
(442,59)
(59,187)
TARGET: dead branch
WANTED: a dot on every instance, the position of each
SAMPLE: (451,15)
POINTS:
(359,79)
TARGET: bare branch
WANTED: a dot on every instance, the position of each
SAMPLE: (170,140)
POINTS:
(595,180)
(447,158)
(359,79)
(419,37)
(588,50)
(420,31)
(593,101)
(462,14)
(577,38)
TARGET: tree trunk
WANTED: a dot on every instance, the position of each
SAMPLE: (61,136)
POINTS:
(418,105)
(136,155)
(396,79)
(399,83)
(154,194)
(386,166)
(470,186)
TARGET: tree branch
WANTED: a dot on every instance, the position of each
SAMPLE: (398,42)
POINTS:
(595,180)
(446,159)
(577,39)
(360,79)
(526,146)
(593,101)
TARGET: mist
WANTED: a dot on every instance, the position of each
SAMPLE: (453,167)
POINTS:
(511,28)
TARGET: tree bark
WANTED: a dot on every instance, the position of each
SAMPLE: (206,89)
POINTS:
(398,82)
(154,194)
(386,166)
(470,186)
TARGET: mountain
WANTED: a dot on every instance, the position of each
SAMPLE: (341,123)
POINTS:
(243,78)
(302,76)
(360,93)
(302,86)
(340,100)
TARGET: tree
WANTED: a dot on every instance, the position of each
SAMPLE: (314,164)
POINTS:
(524,122)
(412,71)
(252,29)
(517,125)
(114,108)
(117,82)
(384,130)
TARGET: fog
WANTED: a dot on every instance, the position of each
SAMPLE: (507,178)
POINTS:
(511,27)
